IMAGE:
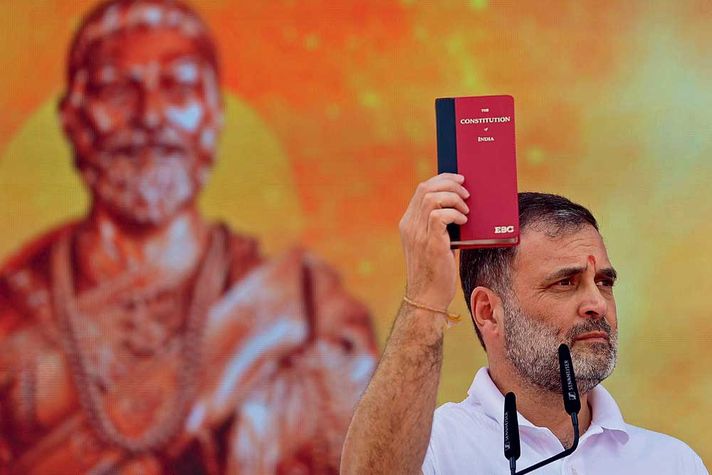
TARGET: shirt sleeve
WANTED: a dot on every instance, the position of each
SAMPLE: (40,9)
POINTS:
(429,463)
(697,467)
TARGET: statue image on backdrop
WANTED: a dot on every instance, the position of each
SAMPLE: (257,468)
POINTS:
(142,339)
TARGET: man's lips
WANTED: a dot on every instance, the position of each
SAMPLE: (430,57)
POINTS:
(593,336)
(136,149)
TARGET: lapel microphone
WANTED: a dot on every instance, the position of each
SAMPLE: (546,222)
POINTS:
(569,390)
(511,431)
(572,405)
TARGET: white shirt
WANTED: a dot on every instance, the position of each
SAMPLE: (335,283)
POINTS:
(468,438)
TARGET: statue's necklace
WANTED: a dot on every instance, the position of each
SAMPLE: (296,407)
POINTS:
(208,286)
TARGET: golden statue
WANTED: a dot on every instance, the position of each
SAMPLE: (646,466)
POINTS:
(142,339)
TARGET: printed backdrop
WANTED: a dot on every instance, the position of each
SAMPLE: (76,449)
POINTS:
(330,126)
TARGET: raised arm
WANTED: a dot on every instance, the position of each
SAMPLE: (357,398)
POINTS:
(390,430)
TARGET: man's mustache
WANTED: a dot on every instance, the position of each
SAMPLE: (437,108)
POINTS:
(591,325)
(132,141)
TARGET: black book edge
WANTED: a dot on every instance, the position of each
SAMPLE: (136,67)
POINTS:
(447,146)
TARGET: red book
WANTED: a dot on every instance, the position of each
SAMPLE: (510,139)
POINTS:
(476,139)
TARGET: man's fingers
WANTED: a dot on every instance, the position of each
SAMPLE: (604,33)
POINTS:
(452,176)
(443,192)
(440,218)
(443,182)
(444,199)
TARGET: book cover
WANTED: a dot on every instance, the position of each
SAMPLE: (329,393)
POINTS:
(476,139)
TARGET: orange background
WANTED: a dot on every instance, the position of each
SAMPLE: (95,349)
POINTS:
(330,126)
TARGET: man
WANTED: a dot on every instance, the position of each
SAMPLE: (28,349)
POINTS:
(555,287)
(143,339)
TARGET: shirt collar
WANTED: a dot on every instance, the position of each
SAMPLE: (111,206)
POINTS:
(606,416)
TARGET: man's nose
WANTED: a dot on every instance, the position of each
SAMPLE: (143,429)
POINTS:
(150,111)
(594,304)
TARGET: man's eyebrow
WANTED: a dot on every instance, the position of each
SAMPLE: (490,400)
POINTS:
(565,272)
(609,272)
(180,57)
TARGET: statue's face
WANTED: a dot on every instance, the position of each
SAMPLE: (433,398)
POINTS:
(143,114)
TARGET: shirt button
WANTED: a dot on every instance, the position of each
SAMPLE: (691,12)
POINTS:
(573,471)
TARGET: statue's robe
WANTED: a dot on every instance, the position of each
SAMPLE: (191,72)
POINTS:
(283,355)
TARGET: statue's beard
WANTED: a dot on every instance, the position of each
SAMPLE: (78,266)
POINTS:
(145,185)
(531,347)
(143,177)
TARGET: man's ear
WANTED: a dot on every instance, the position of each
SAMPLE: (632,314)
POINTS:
(487,313)
(68,107)
(64,113)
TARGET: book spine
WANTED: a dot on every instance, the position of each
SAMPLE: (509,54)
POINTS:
(447,146)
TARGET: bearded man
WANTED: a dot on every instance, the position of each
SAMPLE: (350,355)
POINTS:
(143,339)
(555,287)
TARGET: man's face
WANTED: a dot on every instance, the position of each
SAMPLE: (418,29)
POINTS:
(562,293)
(143,115)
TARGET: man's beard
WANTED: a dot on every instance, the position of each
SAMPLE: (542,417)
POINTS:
(144,180)
(531,346)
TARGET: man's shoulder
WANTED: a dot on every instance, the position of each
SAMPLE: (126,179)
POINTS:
(452,417)
(245,253)
(453,410)
(300,278)
(670,454)
(24,280)
(655,441)
(463,428)
(34,254)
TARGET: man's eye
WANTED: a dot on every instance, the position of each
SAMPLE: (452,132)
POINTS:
(565,282)
(177,89)
(110,89)
(605,283)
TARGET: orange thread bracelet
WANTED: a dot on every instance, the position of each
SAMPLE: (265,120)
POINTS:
(452,318)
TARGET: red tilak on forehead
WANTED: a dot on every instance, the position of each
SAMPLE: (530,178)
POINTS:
(592,261)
